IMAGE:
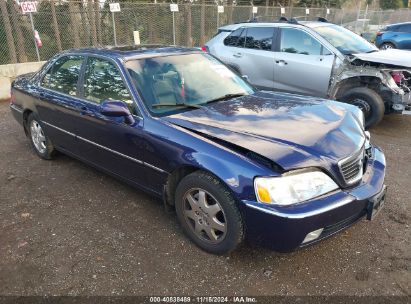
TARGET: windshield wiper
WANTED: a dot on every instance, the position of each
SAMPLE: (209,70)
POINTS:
(185,105)
(226,97)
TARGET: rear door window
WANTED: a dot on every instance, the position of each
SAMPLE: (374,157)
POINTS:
(394,28)
(260,38)
(232,39)
(406,28)
(63,76)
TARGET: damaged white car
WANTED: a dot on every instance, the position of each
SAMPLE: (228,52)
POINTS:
(317,58)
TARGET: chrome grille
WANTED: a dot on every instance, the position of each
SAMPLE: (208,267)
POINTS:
(351,168)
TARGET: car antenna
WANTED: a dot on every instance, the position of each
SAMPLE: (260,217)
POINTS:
(322,19)
(283,19)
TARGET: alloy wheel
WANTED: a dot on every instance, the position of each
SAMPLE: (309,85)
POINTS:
(38,137)
(204,216)
(387,47)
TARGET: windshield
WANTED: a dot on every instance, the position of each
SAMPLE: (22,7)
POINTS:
(170,84)
(344,40)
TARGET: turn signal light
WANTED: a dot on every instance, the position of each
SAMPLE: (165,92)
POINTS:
(263,195)
(204,48)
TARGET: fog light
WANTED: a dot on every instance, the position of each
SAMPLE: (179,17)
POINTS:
(313,235)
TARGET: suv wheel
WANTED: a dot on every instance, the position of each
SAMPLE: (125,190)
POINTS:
(368,101)
(387,46)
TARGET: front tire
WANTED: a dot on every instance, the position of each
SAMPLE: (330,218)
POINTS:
(369,101)
(39,140)
(208,214)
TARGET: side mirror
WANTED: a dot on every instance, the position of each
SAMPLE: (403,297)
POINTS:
(115,108)
(245,77)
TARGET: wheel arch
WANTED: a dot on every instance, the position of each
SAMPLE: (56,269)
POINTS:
(174,179)
(235,176)
(388,41)
(179,173)
(235,68)
(373,82)
(26,114)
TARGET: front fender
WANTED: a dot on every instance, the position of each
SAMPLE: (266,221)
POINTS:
(237,175)
(175,149)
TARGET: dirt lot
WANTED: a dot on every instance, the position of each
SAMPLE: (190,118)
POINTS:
(67,229)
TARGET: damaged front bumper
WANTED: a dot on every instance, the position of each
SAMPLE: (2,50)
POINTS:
(396,94)
(287,228)
(400,89)
(401,102)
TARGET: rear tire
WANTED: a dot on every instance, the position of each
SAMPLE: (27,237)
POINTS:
(39,140)
(208,213)
(369,101)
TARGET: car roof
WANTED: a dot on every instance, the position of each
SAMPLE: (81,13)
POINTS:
(311,24)
(314,24)
(135,52)
(396,24)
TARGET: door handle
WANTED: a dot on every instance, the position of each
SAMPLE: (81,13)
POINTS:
(85,111)
(281,62)
(238,55)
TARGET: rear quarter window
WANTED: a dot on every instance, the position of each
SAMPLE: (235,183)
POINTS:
(232,39)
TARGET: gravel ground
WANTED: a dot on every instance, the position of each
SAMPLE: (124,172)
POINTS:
(67,229)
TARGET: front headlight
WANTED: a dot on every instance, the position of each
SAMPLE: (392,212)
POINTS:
(293,187)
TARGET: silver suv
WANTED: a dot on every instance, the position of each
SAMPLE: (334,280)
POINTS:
(319,59)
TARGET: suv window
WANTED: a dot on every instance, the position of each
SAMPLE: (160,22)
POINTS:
(405,28)
(103,81)
(394,28)
(232,39)
(299,42)
(260,38)
(64,74)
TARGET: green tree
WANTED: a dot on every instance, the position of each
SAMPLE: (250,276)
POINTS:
(391,4)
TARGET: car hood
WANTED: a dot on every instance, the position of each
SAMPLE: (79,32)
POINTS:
(391,56)
(291,130)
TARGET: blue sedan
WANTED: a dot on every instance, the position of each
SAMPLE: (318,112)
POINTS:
(235,163)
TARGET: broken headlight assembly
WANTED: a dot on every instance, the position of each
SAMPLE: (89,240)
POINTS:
(402,79)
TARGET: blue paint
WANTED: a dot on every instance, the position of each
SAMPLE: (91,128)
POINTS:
(261,134)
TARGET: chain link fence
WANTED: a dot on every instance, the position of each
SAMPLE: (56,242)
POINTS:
(72,24)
